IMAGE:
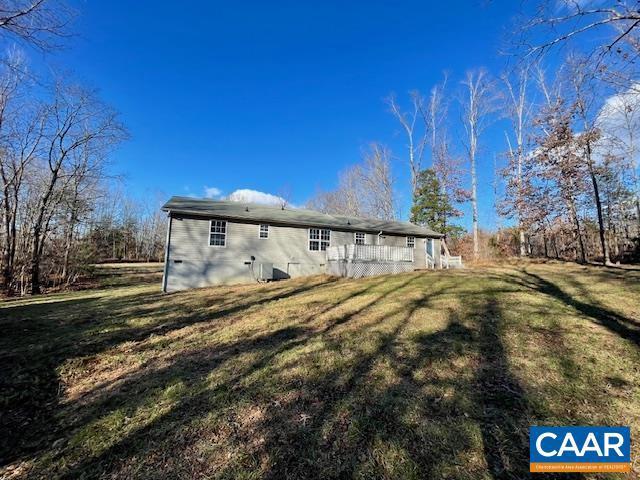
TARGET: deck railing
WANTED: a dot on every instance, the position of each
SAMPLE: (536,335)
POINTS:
(431,262)
(449,261)
(372,253)
(455,261)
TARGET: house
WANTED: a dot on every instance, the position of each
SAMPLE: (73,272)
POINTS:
(220,242)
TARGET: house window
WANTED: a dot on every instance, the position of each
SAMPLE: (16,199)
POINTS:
(319,238)
(264,231)
(218,233)
(359,238)
(411,242)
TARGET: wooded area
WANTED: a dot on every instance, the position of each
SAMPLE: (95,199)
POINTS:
(567,179)
(61,212)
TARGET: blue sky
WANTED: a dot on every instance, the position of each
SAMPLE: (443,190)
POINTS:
(261,95)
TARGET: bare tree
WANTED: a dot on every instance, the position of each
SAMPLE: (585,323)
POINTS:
(570,19)
(346,199)
(560,161)
(417,136)
(447,167)
(21,130)
(518,109)
(76,120)
(377,184)
(35,22)
(478,103)
(364,190)
(436,116)
(585,93)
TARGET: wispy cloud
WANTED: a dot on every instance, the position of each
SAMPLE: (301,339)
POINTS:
(247,195)
(212,192)
(618,119)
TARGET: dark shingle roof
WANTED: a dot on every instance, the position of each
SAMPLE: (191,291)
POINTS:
(290,216)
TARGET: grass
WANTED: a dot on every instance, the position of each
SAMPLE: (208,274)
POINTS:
(421,375)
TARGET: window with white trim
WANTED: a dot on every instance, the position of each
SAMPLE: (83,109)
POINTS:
(359,238)
(218,233)
(319,239)
(411,242)
(264,230)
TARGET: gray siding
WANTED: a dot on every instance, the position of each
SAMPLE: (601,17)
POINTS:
(192,262)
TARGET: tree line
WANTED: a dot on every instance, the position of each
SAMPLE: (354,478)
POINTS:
(60,211)
(566,179)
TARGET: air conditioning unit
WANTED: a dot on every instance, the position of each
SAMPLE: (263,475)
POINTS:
(265,271)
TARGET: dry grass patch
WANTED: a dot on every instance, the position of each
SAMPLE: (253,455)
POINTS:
(421,375)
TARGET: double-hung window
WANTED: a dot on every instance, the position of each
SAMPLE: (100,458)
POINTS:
(411,242)
(319,238)
(218,233)
(359,238)
(264,231)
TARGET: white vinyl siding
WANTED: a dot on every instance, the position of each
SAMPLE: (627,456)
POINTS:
(359,238)
(411,242)
(264,231)
(218,233)
(319,239)
(193,263)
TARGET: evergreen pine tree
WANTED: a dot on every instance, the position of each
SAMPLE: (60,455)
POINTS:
(431,206)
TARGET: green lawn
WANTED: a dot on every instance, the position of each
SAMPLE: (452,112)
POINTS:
(422,375)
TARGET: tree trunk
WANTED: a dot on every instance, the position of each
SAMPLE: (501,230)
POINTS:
(579,240)
(474,207)
(35,263)
(67,248)
(7,264)
(596,196)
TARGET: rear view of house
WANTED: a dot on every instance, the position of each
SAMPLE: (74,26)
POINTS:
(218,242)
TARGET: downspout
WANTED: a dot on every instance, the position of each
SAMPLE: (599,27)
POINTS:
(166,255)
(379,235)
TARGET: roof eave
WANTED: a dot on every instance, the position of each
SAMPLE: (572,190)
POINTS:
(348,228)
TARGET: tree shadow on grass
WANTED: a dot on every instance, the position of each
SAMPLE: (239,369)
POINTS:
(625,327)
(398,404)
(195,364)
(421,424)
(507,412)
(192,372)
(38,338)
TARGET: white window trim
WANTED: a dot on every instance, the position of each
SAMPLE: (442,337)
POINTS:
(407,242)
(260,231)
(309,239)
(226,232)
(355,238)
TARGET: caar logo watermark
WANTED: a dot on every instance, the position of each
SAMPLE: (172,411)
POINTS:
(580,449)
